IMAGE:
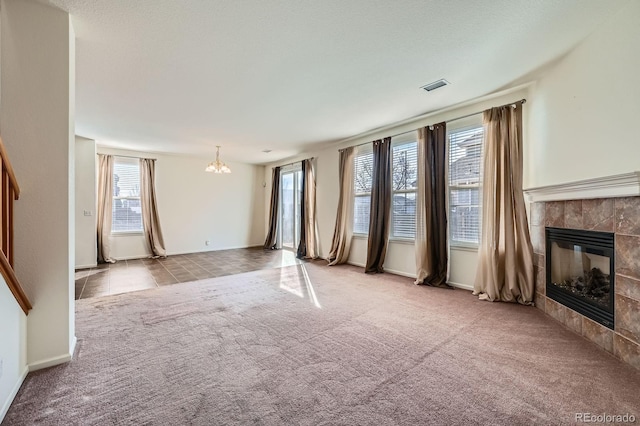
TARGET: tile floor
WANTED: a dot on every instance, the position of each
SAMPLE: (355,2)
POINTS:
(141,274)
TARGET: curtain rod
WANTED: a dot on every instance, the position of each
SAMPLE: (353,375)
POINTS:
(294,162)
(513,104)
(131,156)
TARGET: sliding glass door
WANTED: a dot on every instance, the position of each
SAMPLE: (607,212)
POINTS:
(290,198)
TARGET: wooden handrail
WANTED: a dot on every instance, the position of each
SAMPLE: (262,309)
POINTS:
(9,192)
(14,285)
(7,165)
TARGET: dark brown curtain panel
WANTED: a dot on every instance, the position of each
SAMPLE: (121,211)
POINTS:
(379,218)
(341,242)
(302,244)
(307,248)
(271,241)
(505,258)
(431,215)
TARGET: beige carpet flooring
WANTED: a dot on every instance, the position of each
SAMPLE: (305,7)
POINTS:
(317,345)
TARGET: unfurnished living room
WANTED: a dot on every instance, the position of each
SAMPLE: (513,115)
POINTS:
(334,212)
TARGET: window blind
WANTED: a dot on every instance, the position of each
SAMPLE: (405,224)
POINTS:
(126,209)
(465,155)
(362,181)
(404,172)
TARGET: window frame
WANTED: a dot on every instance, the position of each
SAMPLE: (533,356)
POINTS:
(292,169)
(127,232)
(403,139)
(468,124)
(362,151)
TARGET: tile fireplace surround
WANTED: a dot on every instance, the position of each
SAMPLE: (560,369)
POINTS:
(620,215)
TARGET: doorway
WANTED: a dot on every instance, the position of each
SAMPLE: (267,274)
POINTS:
(290,198)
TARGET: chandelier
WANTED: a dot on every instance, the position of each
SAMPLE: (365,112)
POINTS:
(217,166)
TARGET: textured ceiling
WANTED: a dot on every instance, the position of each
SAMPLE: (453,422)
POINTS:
(185,75)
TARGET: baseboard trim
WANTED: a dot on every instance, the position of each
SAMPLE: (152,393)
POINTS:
(401,273)
(134,257)
(88,266)
(391,271)
(361,265)
(175,253)
(50,362)
(72,346)
(14,392)
(408,275)
(461,286)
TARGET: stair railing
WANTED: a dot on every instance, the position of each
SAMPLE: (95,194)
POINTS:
(9,192)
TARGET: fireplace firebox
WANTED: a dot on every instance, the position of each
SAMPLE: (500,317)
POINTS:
(580,272)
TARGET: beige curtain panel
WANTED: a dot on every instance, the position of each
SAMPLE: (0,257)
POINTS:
(505,258)
(341,243)
(150,217)
(308,246)
(105,200)
(431,207)
(380,216)
(271,242)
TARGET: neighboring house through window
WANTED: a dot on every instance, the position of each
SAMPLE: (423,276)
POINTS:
(362,180)
(126,210)
(465,155)
(404,175)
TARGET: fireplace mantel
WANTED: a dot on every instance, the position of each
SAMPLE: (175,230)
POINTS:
(622,185)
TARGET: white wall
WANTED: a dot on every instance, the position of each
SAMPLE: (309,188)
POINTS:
(578,122)
(196,206)
(585,109)
(85,182)
(37,118)
(13,347)
(400,255)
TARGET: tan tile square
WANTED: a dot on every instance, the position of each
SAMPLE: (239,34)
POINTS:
(598,334)
(541,280)
(554,214)
(627,215)
(555,310)
(597,214)
(537,239)
(628,318)
(627,350)
(628,287)
(628,256)
(573,320)
(537,214)
(540,301)
(573,214)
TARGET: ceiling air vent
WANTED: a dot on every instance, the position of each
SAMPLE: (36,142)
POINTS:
(435,85)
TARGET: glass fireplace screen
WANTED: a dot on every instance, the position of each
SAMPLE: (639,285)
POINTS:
(580,271)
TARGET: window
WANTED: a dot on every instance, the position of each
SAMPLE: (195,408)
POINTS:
(465,154)
(362,179)
(126,214)
(404,174)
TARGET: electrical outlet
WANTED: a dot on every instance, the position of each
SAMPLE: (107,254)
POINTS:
(206,243)
(87,212)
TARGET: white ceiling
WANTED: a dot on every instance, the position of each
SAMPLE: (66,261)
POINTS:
(185,75)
